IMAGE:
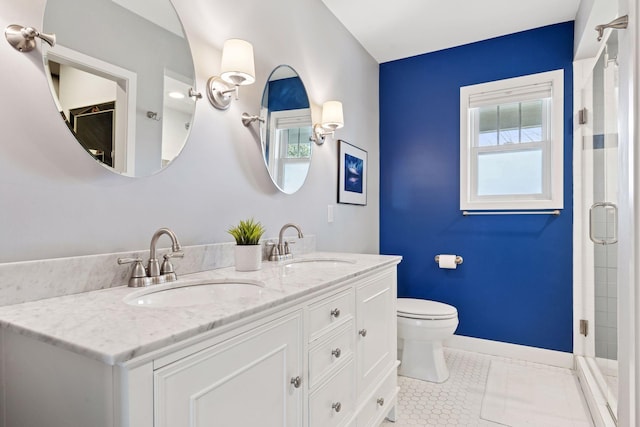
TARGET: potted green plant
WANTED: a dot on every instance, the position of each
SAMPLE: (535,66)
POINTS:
(248,251)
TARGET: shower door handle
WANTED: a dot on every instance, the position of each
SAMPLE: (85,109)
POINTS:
(605,241)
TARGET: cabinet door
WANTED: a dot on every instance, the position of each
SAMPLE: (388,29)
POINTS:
(376,325)
(244,381)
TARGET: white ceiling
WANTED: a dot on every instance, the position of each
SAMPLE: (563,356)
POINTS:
(396,29)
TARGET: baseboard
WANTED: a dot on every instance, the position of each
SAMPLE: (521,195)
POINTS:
(513,351)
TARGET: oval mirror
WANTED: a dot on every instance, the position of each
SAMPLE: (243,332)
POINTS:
(121,74)
(285,129)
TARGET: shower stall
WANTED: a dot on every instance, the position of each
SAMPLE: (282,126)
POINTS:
(596,230)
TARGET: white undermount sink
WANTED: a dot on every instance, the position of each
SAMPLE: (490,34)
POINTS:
(198,293)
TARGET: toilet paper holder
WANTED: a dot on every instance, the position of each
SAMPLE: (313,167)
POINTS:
(459,259)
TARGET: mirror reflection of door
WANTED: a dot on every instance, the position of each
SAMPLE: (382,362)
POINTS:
(87,94)
(93,126)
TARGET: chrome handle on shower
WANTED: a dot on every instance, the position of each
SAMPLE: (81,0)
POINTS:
(605,241)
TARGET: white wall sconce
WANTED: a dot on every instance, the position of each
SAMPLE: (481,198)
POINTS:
(332,119)
(237,69)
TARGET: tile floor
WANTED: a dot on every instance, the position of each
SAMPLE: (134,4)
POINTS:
(458,401)
(612,382)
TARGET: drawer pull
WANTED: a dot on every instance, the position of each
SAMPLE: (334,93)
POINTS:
(336,406)
(380,401)
(363,332)
(296,382)
(336,352)
(335,312)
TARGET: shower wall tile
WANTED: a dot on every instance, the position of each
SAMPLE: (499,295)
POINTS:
(612,320)
(600,255)
(601,290)
(612,255)
(612,351)
(600,275)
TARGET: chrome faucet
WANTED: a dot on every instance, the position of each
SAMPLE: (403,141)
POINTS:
(154,273)
(281,251)
(153,268)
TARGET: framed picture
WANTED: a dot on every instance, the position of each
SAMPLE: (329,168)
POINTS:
(352,174)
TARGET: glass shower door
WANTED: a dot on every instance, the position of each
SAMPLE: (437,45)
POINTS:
(600,166)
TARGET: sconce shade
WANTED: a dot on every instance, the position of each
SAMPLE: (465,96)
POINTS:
(237,62)
(332,117)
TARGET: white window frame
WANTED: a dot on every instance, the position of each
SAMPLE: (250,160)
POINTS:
(502,92)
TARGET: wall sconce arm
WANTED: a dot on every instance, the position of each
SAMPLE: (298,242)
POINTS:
(23,38)
(247,119)
(194,94)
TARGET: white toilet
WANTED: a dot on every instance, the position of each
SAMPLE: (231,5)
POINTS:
(422,327)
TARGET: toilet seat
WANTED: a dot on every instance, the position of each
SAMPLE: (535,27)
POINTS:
(414,308)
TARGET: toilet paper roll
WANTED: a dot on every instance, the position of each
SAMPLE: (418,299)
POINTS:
(447,261)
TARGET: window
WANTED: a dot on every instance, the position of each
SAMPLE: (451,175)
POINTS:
(511,143)
(289,152)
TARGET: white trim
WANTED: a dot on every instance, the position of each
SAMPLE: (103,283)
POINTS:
(554,171)
(512,351)
(629,229)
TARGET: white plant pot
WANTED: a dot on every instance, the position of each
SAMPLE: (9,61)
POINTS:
(248,257)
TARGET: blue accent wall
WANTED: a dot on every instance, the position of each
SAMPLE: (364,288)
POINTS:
(515,284)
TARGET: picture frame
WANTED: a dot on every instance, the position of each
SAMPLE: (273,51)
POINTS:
(352,174)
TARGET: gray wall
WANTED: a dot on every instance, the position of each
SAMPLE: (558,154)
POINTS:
(56,201)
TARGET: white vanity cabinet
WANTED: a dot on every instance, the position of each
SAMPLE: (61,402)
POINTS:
(322,359)
(248,380)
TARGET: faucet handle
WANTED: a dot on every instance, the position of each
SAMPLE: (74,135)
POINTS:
(167,267)
(287,243)
(122,261)
(138,268)
(176,254)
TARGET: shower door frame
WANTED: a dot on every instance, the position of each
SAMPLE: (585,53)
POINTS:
(595,182)
(628,221)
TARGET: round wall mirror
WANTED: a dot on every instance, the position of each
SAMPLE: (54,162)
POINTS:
(285,129)
(121,75)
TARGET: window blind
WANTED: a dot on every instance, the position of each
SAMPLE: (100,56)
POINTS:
(516,94)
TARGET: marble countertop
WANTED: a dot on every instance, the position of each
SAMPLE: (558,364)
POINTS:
(101,325)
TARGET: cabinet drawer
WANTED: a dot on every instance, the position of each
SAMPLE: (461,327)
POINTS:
(329,353)
(333,404)
(330,312)
(378,404)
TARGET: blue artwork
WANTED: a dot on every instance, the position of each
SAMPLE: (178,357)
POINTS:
(353,168)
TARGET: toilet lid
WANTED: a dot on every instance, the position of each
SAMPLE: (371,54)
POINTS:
(425,309)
